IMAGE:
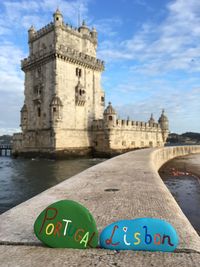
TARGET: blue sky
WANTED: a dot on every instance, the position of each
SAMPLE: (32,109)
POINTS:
(151,50)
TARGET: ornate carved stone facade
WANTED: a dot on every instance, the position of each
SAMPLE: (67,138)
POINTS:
(64,103)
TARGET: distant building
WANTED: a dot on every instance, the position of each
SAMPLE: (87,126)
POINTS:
(63,111)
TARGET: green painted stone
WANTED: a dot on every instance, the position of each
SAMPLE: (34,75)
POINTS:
(66,224)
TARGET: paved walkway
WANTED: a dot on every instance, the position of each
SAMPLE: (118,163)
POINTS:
(139,192)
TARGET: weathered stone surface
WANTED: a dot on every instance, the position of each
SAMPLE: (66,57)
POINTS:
(66,224)
(139,192)
(149,234)
(26,256)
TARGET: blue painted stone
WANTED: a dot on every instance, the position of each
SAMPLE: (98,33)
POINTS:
(140,234)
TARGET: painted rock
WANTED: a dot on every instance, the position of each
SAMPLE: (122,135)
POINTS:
(139,234)
(66,224)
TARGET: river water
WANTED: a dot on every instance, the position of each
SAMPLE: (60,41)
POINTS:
(21,179)
(182,177)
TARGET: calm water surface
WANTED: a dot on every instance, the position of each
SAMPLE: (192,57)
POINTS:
(21,179)
(185,189)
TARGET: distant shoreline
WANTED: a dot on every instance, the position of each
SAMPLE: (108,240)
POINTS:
(190,163)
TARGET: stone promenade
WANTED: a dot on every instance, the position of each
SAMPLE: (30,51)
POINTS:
(124,187)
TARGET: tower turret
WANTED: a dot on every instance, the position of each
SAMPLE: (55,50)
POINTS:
(58,18)
(94,34)
(84,28)
(31,33)
(164,125)
(151,120)
(110,116)
(56,111)
(24,118)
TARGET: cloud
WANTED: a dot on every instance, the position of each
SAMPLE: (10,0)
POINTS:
(163,66)
(107,26)
(172,45)
(143,4)
(10,105)
(9,131)
(10,75)
(182,115)
(25,13)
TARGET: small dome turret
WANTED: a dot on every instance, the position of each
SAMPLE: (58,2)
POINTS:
(56,110)
(94,29)
(110,116)
(56,101)
(94,33)
(58,17)
(151,120)
(24,108)
(58,12)
(164,125)
(163,121)
(31,32)
(31,29)
(109,110)
(84,28)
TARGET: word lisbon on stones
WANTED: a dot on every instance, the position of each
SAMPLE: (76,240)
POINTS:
(150,234)
(64,108)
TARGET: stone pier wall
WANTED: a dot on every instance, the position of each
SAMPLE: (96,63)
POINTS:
(135,190)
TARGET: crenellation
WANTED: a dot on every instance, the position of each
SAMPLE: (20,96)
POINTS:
(41,32)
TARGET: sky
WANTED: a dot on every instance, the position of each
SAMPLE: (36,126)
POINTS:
(151,51)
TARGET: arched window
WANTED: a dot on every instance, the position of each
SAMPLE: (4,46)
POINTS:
(110,118)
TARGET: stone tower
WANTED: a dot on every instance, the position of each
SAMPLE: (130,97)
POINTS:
(63,111)
(63,94)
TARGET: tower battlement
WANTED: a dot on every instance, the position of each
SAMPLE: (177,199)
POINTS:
(82,39)
(127,125)
(91,35)
(34,35)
